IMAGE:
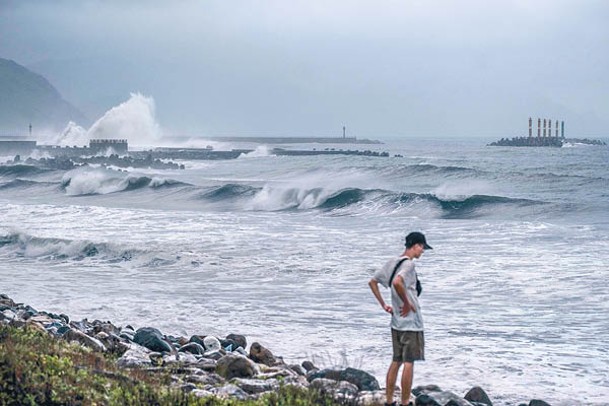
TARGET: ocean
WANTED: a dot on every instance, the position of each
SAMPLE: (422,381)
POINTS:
(281,249)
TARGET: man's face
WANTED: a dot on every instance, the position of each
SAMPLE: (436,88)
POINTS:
(419,249)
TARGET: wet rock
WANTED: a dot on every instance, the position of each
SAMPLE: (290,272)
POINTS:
(198,339)
(235,366)
(193,348)
(299,369)
(440,398)
(229,345)
(538,402)
(363,380)
(152,339)
(478,395)
(6,301)
(418,390)
(308,366)
(261,355)
(239,339)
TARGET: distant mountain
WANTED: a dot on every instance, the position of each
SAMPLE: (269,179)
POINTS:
(28,98)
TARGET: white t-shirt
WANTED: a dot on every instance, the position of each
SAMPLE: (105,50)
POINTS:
(413,320)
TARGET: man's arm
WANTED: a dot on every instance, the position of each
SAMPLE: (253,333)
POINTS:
(398,284)
(374,286)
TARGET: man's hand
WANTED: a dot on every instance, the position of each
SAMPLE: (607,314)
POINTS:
(388,308)
(404,310)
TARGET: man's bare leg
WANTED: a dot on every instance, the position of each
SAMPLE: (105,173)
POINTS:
(407,375)
(392,376)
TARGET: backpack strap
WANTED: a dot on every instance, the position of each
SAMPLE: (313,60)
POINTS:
(397,266)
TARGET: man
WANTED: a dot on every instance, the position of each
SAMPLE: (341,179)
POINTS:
(400,276)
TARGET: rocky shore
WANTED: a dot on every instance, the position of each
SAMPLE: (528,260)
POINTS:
(209,367)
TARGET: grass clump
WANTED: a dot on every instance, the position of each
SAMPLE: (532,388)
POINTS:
(37,369)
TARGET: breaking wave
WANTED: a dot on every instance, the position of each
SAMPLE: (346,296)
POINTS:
(19,170)
(99,181)
(25,245)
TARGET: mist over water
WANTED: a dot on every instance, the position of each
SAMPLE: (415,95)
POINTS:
(281,249)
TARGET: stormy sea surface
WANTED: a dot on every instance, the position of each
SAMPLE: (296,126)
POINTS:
(280,249)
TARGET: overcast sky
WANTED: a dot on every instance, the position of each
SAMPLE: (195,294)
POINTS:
(308,67)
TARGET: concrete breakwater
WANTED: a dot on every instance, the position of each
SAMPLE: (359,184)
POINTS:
(218,367)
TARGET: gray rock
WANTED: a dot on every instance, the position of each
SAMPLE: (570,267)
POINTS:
(362,379)
(308,366)
(232,392)
(215,355)
(6,301)
(207,364)
(441,398)
(338,389)
(255,386)
(298,369)
(205,379)
(239,339)
(538,402)
(193,348)
(152,339)
(478,395)
(135,356)
(373,398)
(89,342)
(197,339)
(418,390)
(201,393)
(235,366)
(179,358)
(8,315)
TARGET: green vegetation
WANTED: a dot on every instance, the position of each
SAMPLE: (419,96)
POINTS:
(37,369)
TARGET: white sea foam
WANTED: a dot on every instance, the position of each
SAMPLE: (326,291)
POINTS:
(461,190)
(260,151)
(134,120)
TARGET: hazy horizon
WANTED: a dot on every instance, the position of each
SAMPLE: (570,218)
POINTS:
(307,68)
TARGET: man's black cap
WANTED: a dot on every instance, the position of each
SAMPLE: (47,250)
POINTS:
(417,238)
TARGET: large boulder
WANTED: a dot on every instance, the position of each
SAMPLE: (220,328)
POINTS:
(261,355)
(135,356)
(235,366)
(239,339)
(478,395)
(152,339)
(362,379)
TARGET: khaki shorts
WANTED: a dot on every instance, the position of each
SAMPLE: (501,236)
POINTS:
(408,346)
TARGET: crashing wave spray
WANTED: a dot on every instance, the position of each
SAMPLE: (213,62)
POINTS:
(133,120)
